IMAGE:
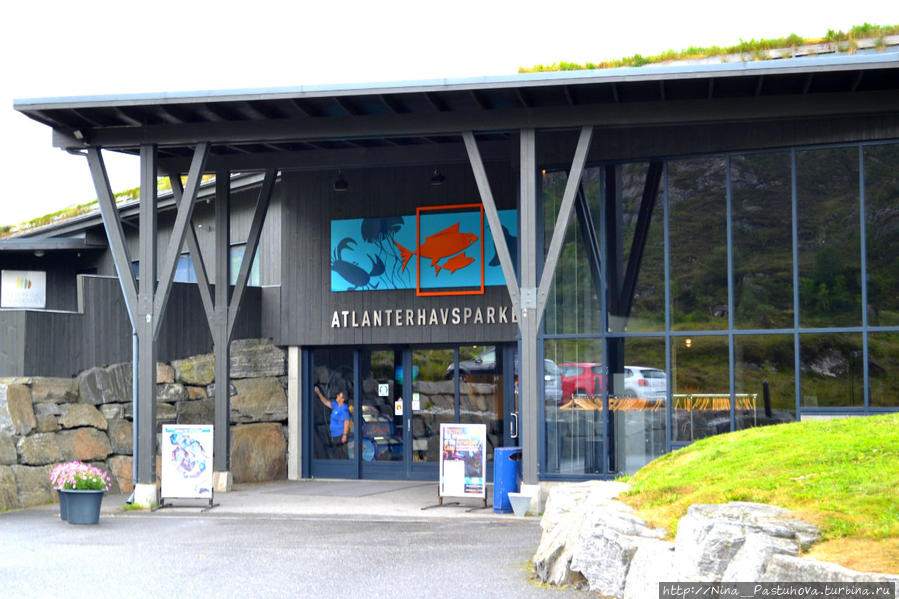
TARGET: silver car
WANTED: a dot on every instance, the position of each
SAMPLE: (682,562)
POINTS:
(645,382)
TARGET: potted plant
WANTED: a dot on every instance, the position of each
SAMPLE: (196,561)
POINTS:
(81,488)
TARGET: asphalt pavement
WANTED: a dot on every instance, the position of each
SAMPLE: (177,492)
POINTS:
(310,538)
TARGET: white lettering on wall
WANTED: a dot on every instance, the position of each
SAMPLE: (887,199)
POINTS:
(421,317)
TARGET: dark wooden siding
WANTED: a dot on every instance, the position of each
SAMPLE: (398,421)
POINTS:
(12,343)
(310,204)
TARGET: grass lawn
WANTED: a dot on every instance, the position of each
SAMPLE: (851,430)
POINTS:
(842,475)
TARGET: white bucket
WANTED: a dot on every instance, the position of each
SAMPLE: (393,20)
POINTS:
(520,503)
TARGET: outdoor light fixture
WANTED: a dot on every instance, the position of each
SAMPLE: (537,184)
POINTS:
(688,342)
(437,178)
(340,183)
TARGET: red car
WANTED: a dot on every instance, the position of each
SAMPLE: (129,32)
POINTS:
(581,378)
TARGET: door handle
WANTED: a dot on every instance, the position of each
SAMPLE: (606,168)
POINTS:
(513,426)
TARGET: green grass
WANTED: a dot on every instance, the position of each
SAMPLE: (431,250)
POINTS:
(842,475)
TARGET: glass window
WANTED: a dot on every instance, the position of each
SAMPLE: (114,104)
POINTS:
(764,380)
(382,388)
(832,375)
(882,224)
(236,253)
(433,400)
(637,401)
(829,242)
(184,270)
(647,304)
(572,389)
(481,391)
(700,387)
(883,369)
(697,196)
(573,303)
(332,375)
(762,241)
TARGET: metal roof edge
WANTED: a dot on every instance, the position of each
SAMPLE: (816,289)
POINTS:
(884,59)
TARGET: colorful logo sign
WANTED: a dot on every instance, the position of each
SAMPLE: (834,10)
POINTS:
(443,250)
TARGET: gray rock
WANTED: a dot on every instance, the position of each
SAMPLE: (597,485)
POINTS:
(751,560)
(39,449)
(256,358)
(79,414)
(552,560)
(166,413)
(84,444)
(9,491)
(47,423)
(16,411)
(112,384)
(201,411)
(8,453)
(603,555)
(196,370)
(121,472)
(121,436)
(47,408)
(788,568)
(171,392)
(112,411)
(652,563)
(258,453)
(33,483)
(258,400)
(164,373)
(52,389)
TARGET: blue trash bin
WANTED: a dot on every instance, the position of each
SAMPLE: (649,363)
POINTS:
(506,476)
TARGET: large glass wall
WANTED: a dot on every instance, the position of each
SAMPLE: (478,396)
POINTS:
(752,289)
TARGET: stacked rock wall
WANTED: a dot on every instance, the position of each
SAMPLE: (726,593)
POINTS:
(45,421)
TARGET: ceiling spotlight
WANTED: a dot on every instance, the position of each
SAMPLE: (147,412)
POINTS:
(340,183)
(437,178)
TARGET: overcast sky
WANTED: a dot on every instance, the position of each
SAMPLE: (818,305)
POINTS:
(52,49)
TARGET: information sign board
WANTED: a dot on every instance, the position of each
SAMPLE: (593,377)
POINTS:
(463,460)
(187,461)
(23,289)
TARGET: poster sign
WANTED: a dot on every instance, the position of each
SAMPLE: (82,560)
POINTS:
(23,289)
(463,460)
(187,461)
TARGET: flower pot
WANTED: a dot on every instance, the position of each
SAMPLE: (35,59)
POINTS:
(63,505)
(82,507)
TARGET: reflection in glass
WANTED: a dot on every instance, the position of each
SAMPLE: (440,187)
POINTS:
(382,429)
(832,374)
(433,400)
(700,387)
(332,373)
(572,305)
(762,241)
(829,241)
(883,369)
(697,196)
(764,380)
(638,401)
(572,389)
(481,391)
(882,224)
(647,311)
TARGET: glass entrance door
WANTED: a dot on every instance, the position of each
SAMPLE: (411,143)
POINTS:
(382,426)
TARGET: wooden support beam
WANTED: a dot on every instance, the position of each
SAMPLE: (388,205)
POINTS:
(641,234)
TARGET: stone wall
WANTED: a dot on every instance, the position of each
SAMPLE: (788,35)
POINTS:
(592,541)
(45,421)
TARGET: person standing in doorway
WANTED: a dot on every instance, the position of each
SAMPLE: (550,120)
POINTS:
(340,423)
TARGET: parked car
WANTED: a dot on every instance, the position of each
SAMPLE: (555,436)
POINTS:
(581,378)
(645,382)
(486,364)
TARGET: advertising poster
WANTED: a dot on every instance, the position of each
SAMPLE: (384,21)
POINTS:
(23,289)
(463,460)
(187,461)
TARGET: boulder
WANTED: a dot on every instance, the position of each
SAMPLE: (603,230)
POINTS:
(121,436)
(166,413)
(84,444)
(653,562)
(252,358)
(112,411)
(39,449)
(259,400)
(16,410)
(164,373)
(112,384)
(196,370)
(9,491)
(171,392)
(789,568)
(258,453)
(78,414)
(201,411)
(121,472)
(47,424)
(8,453)
(33,483)
(52,389)
(196,392)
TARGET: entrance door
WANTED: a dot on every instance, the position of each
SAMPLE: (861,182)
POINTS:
(398,398)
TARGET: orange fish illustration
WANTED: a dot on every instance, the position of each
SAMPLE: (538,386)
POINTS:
(439,246)
(455,263)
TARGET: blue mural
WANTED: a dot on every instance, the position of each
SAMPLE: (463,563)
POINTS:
(382,253)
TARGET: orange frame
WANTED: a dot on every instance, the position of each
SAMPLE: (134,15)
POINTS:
(418,211)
